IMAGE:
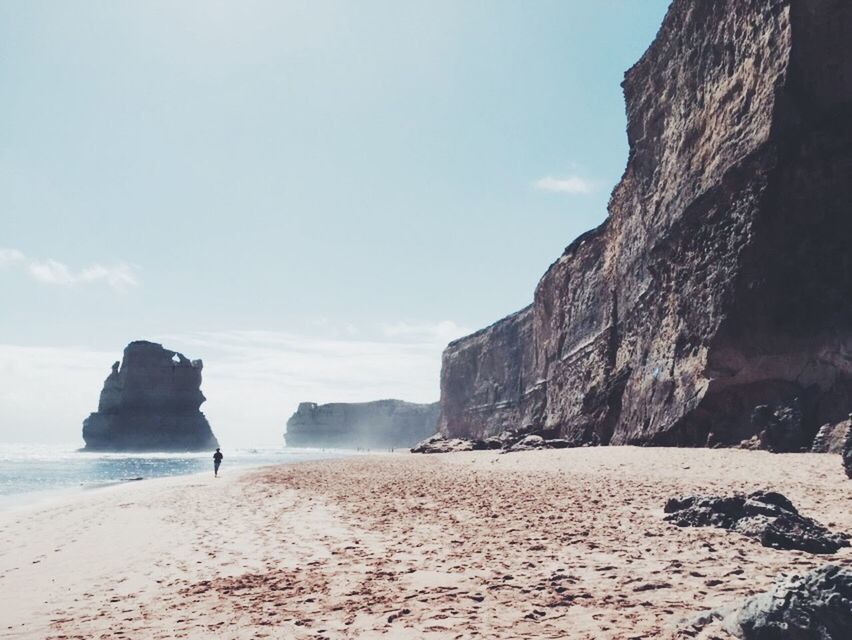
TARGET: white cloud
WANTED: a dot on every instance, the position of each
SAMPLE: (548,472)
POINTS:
(572,184)
(50,272)
(440,332)
(45,392)
(10,256)
(119,277)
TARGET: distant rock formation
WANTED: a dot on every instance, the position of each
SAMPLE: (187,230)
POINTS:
(379,424)
(150,402)
(765,515)
(722,279)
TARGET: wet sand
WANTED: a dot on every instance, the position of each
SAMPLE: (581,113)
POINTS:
(548,544)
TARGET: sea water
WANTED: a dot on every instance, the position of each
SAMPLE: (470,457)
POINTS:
(31,472)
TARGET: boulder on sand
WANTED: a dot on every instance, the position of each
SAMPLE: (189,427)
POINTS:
(765,515)
(816,606)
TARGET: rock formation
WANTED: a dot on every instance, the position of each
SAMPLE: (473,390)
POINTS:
(765,515)
(381,424)
(816,606)
(831,437)
(150,402)
(439,444)
(509,441)
(847,454)
(722,279)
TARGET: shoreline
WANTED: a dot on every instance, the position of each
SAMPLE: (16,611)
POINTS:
(59,456)
(557,543)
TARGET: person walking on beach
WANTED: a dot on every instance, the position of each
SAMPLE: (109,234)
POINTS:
(217,460)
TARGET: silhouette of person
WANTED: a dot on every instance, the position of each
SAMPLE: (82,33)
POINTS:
(217,460)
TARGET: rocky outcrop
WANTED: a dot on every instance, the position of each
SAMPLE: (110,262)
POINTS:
(765,515)
(379,424)
(816,606)
(509,441)
(847,455)
(831,437)
(722,279)
(439,444)
(150,402)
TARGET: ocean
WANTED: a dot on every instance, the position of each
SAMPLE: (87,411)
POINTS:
(30,473)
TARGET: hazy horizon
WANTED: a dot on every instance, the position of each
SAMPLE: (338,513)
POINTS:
(312,197)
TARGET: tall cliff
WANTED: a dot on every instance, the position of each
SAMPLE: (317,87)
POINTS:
(379,424)
(719,289)
(150,402)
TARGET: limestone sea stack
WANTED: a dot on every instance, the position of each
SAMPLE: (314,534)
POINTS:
(150,402)
(714,305)
(378,424)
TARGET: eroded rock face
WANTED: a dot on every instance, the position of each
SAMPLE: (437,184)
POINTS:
(150,402)
(816,606)
(765,515)
(476,407)
(847,455)
(722,278)
(831,437)
(379,424)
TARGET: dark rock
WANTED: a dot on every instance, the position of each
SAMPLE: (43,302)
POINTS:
(831,437)
(492,443)
(440,444)
(816,606)
(847,455)
(766,515)
(507,441)
(721,279)
(527,443)
(779,428)
(150,402)
(380,424)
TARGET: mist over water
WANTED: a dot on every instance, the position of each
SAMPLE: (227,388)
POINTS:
(29,472)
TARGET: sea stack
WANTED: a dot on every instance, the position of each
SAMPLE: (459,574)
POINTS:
(380,424)
(714,305)
(150,402)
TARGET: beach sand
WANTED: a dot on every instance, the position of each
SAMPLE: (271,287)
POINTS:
(544,544)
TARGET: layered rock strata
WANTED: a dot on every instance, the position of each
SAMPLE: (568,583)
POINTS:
(722,279)
(150,402)
(378,424)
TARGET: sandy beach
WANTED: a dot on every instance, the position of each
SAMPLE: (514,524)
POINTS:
(546,544)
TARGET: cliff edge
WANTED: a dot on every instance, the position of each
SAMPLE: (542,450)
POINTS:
(714,305)
(150,402)
(379,424)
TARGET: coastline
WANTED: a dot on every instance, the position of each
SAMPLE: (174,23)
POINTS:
(38,475)
(560,543)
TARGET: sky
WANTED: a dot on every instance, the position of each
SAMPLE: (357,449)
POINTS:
(312,197)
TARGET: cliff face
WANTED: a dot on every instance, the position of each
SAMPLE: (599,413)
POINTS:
(721,280)
(150,402)
(379,424)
